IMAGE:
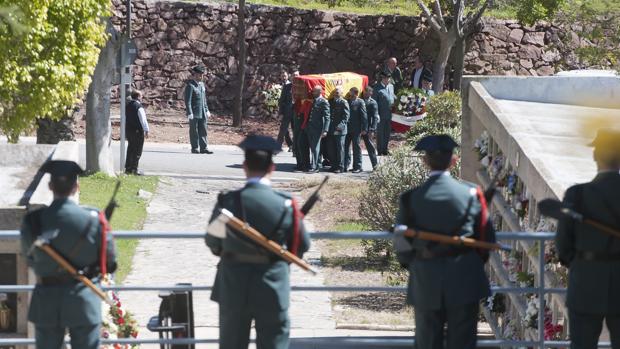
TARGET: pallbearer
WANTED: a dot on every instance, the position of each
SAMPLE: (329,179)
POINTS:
(446,282)
(593,256)
(252,283)
(59,301)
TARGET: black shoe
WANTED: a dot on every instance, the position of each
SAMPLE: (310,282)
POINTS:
(337,170)
(194,151)
(356,170)
(313,170)
(206,151)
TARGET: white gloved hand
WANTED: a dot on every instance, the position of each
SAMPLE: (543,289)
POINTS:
(190,116)
(208,113)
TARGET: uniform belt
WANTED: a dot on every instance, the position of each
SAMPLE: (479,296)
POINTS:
(598,256)
(246,258)
(56,280)
(426,254)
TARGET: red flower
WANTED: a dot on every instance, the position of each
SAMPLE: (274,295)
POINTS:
(121,321)
(134,334)
(119,312)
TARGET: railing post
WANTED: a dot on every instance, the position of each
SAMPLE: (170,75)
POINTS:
(541,293)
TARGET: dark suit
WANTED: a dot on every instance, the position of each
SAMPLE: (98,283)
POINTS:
(423,71)
(135,136)
(285,107)
(59,301)
(252,284)
(446,282)
(593,258)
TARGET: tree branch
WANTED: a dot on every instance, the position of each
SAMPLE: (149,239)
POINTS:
(431,20)
(459,8)
(471,21)
(439,14)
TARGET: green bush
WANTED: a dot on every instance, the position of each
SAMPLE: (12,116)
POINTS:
(398,173)
(443,115)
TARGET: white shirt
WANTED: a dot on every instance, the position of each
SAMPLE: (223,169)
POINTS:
(439,173)
(261,180)
(416,77)
(142,117)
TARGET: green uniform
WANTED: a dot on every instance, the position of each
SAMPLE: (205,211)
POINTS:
(446,283)
(372,113)
(396,77)
(593,258)
(384,95)
(358,122)
(252,283)
(197,111)
(59,301)
(339,112)
(318,123)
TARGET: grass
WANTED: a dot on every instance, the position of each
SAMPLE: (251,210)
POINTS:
(96,189)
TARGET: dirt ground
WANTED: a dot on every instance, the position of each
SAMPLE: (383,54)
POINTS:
(170,126)
(345,264)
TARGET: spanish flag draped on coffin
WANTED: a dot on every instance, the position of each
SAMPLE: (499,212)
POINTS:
(303,85)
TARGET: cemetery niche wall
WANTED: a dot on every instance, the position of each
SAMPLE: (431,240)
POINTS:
(531,134)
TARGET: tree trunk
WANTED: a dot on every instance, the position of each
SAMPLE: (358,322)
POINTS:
(446,42)
(460,48)
(238,101)
(98,127)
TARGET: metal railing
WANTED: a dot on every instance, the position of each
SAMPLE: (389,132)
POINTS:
(394,342)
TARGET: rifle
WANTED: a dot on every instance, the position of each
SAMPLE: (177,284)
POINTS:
(450,240)
(109,209)
(43,243)
(217,228)
(556,209)
(313,198)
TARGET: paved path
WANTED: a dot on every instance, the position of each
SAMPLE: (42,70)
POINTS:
(186,204)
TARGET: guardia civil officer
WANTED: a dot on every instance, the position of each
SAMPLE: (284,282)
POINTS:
(384,95)
(592,256)
(358,126)
(372,113)
(60,302)
(315,130)
(197,111)
(339,113)
(251,283)
(446,282)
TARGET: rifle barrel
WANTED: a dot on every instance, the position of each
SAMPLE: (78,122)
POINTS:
(454,240)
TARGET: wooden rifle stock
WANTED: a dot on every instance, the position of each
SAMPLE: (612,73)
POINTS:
(452,240)
(69,268)
(271,246)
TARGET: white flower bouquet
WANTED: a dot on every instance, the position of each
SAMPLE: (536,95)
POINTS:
(272,97)
(410,102)
(117,322)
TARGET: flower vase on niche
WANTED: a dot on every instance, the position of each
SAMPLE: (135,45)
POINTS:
(5,313)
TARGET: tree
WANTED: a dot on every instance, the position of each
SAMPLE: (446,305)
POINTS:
(238,100)
(47,66)
(98,126)
(454,21)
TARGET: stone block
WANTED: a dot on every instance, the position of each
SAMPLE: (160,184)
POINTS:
(526,63)
(515,36)
(534,38)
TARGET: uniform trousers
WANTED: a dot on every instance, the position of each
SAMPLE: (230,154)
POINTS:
(336,151)
(462,327)
(353,139)
(135,140)
(297,142)
(198,133)
(370,148)
(283,134)
(384,129)
(585,329)
(272,328)
(82,337)
(310,149)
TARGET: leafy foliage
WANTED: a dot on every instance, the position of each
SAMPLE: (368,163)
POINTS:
(48,60)
(398,173)
(531,11)
(443,115)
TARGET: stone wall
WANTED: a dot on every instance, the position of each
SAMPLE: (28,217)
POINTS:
(172,36)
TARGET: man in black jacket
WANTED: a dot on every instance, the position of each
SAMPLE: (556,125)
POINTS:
(136,129)
(285,107)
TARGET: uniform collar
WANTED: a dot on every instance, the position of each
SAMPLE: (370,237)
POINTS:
(439,173)
(259,180)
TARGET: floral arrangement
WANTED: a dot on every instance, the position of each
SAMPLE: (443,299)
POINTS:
(410,102)
(481,146)
(117,322)
(552,331)
(272,97)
